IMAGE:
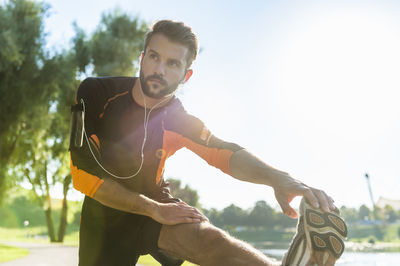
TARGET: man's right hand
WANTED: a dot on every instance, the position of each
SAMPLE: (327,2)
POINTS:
(177,213)
(113,195)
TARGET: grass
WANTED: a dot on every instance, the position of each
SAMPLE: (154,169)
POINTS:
(36,234)
(8,253)
(357,234)
(39,235)
(149,261)
(33,234)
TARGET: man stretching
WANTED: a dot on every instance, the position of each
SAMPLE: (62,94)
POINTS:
(131,126)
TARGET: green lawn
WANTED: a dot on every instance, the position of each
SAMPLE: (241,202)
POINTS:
(32,234)
(8,253)
(38,234)
(149,261)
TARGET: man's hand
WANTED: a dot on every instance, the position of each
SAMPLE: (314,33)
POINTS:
(113,195)
(287,188)
(177,213)
(247,167)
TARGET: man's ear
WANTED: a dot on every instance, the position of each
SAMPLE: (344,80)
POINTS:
(141,58)
(189,73)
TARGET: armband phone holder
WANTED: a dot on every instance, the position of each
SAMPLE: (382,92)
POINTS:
(77,126)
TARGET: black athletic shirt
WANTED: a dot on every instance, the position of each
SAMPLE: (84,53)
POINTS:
(114,123)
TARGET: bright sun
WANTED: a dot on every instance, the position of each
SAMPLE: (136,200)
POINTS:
(341,73)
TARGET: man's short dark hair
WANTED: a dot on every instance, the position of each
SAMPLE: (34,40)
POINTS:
(176,32)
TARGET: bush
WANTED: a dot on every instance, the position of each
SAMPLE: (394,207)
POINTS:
(8,218)
(24,209)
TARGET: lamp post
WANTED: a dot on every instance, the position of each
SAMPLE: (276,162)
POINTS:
(370,194)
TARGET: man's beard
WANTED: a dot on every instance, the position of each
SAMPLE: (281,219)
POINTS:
(157,91)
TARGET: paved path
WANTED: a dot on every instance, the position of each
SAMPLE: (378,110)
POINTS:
(45,255)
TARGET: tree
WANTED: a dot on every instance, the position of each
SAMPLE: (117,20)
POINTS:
(32,158)
(25,73)
(114,47)
(262,215)
(283,221)
(350,215)
(364,213)
(214,216)
(390,214)
(233,216)
(37,90)
(111,50)
(187,194)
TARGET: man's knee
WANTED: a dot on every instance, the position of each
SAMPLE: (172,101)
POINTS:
(210,236)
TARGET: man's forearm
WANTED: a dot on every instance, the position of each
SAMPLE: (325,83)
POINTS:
(247,167)
(113,195)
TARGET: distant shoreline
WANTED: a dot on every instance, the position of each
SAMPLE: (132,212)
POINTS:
(350,246)
(376,247)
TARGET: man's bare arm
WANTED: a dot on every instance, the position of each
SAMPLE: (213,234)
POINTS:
(247,167)
(113,195)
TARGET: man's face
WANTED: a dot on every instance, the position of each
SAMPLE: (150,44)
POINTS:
(163,67)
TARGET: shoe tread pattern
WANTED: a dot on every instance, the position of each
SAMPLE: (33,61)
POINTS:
(328,241)
(318,219)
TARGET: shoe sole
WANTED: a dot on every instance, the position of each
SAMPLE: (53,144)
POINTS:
(325,231)
(299,251)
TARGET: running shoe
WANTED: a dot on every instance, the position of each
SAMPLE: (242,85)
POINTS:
(319,237)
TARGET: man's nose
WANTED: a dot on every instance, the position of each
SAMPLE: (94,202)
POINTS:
(160,69)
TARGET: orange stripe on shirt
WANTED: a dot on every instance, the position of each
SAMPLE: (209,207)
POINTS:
(96,139)
(95,142)
(173,141)
(216,157)
(110,100)
(84,182)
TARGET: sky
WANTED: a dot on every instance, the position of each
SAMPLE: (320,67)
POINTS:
(310,87)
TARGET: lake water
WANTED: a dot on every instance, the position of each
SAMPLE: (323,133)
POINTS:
(353,258)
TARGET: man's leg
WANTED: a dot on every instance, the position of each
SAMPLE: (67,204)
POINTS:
(204,244)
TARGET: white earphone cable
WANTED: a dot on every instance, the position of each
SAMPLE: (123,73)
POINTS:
(145,124)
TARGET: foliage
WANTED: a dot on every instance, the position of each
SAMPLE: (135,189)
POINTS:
(364,213)
(8,253)
(113,48)
(262,215)
(37,90)
(187,194)
(257,235)
(233,216)
(27,210)
(22,207)
(351,215)
(26,73)
(378,232)
(8,218)
(214,216)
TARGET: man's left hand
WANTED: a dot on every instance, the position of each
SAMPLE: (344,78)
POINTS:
(288,188)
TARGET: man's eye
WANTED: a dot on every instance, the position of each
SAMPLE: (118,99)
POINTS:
(173,64)
(153,56)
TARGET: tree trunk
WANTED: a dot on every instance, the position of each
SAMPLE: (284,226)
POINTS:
(3,186)
(50,225)
(48,210)
(63,218)
(63,221)
(5,155)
